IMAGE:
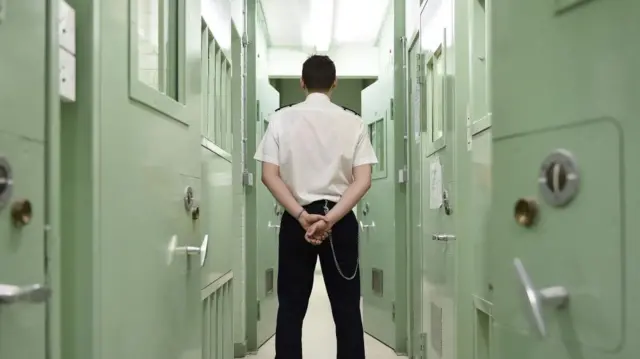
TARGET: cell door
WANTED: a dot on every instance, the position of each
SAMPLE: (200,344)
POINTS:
(23,92)
(416,263)
(377,221)
(269,213)
(563,231)
(439,235)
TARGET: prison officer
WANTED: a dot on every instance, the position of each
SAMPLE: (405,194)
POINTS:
(316,161)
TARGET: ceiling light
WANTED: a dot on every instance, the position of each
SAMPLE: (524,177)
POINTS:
(321,17)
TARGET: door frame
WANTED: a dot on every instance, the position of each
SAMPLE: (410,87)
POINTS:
(412,324)
(51,235)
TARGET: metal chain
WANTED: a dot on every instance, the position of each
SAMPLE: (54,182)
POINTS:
(333,251)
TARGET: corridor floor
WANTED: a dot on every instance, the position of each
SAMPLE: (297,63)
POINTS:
(318,333)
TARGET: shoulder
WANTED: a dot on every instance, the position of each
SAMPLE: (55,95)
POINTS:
(287,106)
(350,115)
(350,110)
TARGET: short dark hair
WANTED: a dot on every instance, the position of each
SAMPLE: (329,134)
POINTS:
(318,73)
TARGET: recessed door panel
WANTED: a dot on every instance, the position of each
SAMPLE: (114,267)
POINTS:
(566,245)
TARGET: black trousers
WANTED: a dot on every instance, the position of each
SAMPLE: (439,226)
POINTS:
(296,266)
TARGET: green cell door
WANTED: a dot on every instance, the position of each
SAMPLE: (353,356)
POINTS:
(439,235)
(564,228)
(23,92)
(268,226)
(133,179)
(377,242)
(415,194)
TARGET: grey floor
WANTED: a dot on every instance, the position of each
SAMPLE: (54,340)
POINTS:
(318,333)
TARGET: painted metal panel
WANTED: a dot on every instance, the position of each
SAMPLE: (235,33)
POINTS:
(438,178)
(217,304)
(376,216)
(268,227)
(23,96)
(585,106)
(127,169)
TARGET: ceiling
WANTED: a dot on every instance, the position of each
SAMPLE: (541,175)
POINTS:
(324,24)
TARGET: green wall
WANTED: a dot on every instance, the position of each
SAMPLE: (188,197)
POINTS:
(348,93)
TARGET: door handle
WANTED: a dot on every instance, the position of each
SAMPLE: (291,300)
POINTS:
(365,226)
(189,250)
(273,225)
(443,237)
(556,297)
(34,293)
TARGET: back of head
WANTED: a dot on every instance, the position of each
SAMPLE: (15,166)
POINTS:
(319,74)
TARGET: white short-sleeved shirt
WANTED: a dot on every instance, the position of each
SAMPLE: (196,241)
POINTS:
(316,143)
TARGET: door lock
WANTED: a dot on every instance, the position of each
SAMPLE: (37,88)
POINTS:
(190,204)
(269,225)
(21,212)
(35,293)
(445,202)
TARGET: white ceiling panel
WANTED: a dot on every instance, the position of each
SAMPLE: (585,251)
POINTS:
(359,21)
(305,23)
(285,19)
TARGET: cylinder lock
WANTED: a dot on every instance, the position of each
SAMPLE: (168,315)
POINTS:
(21,212)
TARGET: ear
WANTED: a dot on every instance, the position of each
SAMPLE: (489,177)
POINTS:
(335,83)
(302,85)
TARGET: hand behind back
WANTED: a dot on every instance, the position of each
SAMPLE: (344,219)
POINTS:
(318,232)
(317,227)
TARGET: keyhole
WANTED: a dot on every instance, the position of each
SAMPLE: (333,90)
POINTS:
(21,212)
(556,177)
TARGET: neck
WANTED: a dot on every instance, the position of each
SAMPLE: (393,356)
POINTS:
(328,94)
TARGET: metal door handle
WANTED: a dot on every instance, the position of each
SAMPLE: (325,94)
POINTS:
(364,226)
(556,296)
(189,250)
(34,293)
(273,225)
(443,237)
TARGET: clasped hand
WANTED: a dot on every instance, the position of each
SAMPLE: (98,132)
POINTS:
(317,226)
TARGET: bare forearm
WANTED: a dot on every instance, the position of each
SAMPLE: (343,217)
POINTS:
(349,199)
(282,194)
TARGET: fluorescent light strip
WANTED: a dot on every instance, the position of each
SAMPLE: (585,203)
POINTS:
(321,16)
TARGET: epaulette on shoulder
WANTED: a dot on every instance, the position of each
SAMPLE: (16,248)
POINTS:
(285,106)
(350,110)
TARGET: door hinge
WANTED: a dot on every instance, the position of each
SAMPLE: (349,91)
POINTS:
(419,74)
(423,345)
(393,311)
(403,175)
(247,179)
(245,40)
(391,109)
(258,311)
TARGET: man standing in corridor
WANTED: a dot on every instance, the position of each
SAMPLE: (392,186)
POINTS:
(316,161)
